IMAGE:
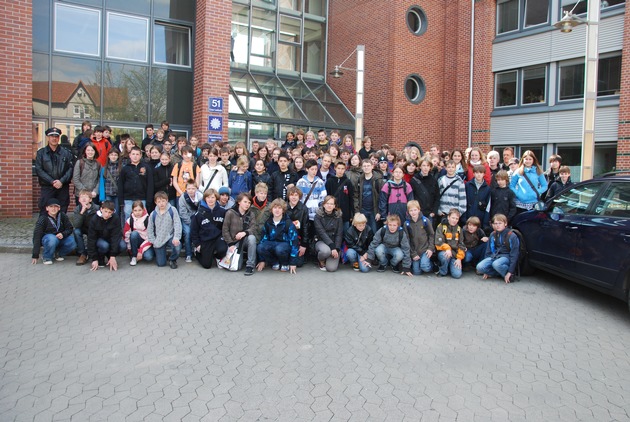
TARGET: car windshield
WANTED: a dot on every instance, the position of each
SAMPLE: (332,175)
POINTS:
(577,199)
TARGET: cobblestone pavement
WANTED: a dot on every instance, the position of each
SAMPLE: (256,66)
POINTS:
(188,344)
(16,234)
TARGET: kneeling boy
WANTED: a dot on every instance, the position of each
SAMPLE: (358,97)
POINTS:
(105,237)
(449,241)
(53,230)
(391,241)
(501,252)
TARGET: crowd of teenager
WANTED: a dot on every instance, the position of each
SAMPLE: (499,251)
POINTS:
(310,197)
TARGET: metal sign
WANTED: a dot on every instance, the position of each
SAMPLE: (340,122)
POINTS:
(215,105)
(215,123)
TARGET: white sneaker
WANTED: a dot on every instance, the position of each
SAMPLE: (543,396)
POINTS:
(47,262)
(188,259)
(134,261)
(59,258)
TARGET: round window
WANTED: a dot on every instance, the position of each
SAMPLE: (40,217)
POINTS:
(415,89)
(416,20)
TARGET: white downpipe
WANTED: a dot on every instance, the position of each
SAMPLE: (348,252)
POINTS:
(472,62)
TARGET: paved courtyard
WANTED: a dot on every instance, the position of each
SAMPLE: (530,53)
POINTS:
(152,345)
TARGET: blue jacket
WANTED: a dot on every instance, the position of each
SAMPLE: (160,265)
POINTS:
(206,224)
(498,247)
(523,190)
(477,201)
(284,232)
(239,182)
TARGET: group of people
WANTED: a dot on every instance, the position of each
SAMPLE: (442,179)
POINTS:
(311,197)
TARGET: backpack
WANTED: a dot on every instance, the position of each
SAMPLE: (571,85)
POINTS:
(154,215)
(194,170)
(401,233)
(389,190)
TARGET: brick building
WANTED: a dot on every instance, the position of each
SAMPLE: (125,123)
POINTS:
(254,69)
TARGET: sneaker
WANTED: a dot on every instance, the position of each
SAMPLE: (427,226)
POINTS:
(47,261)
(275,267)
(59,258)
(322,265)
(355,266)
(396,269)
(172,264)
(284,268)
(249,271)
(134,261)
(82,260)
(381,268)
(189,259)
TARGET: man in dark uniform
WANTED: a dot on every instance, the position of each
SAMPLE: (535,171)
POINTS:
(53,165)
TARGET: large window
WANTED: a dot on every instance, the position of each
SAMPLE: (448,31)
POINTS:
(534,85)
(171,44)
(77,30)
(581,6)
(127,37)
(505,89)
(571,76)
(514,15)
(263,38)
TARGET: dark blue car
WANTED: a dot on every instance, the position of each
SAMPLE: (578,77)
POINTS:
(583,234)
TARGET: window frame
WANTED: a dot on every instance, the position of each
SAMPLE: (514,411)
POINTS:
(147,40)
(516,90)
(522,17)
(582,62)
(521,92)
(190,41)
(98,30)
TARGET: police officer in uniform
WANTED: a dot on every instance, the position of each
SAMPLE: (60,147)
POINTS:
(53,165)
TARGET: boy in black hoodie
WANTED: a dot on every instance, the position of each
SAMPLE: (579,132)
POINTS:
(105,238)
(341,188)
(53,231)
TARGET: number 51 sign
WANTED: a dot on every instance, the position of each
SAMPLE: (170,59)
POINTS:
(215,104)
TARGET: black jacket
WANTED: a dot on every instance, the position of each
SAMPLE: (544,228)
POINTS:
(426,191)
(162,180)
(503,201)
(300,213)
(377,185)
(109,230)
(360,242)
(329,228)
(54,165)
(207,224)
(44,226)
(279,182)
(135,182)
(342,189)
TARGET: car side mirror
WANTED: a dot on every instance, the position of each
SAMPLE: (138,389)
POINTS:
(556,213)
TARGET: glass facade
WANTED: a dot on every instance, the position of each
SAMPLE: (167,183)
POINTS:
(278,65)
(114,62)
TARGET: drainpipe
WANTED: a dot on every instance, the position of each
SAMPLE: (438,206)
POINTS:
(472,62)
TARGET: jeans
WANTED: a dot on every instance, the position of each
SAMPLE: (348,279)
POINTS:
(249,245)
(103,247)
(494,267)
(353,256)
(135,240)
(78,238)
(371,222)
(129,207)
(52,245)
(383,253)
(271,252)
(187,243)
(160,253)
(424,264)
(475,254)
(324,254)
(448,264)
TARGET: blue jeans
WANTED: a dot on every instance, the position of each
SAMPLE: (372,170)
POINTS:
(103,246)
(78,238)
(160,253)
(187,243)
(135,240)
(114,199)
(422,265)
(129,205)
(371,222)
(494,267)
(353,256)
(475,254)
(271,252)
(52,245)
(383,253)
(448,264)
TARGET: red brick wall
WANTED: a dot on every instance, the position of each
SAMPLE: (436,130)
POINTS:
(623,142)
(212,63)
(483,83)
(441,56)
(15,109)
